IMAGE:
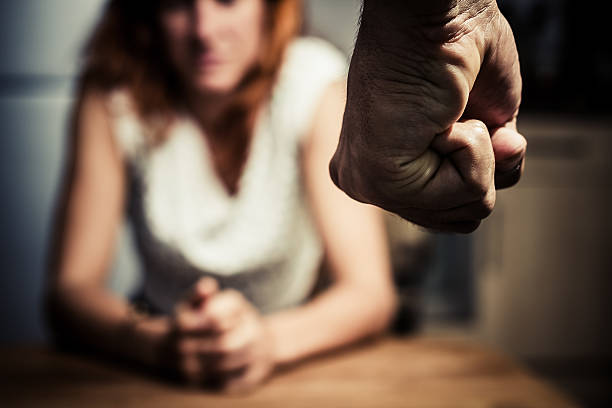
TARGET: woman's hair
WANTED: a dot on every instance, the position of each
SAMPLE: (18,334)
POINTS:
(126,51)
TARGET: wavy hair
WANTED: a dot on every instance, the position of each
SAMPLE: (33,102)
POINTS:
(123,51)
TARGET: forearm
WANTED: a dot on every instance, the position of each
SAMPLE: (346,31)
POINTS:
(430,10)
(341,315)
(420,27)
(95,318)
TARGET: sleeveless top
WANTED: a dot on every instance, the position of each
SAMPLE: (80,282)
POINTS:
(261,241)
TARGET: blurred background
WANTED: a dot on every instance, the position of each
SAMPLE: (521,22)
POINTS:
(535,280)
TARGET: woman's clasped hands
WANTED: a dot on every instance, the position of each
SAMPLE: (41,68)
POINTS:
(219,340)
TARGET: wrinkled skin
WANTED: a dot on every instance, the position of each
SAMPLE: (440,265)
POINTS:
(429,129)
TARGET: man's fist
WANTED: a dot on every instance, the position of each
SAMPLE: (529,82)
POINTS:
(429,128)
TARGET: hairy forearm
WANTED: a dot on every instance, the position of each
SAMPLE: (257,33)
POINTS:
(96,319)
(341,315)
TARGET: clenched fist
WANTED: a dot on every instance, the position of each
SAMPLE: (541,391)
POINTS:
(429,129)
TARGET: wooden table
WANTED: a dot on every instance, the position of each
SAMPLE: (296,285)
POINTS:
(417,372)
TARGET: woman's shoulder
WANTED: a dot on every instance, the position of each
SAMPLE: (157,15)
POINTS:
(315,47)
(314,58)
(310,67)
(120,110)
(119,102)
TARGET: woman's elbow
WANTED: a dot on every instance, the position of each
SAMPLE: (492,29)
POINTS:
(383,311)
(388,309)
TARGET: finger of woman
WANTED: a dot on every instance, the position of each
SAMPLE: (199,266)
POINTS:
(245,380)
(204,289)
(224,311)
(186,318)
(189,320)
(230,362)
(188,345)
(188,313)
(191,369)
(227,343)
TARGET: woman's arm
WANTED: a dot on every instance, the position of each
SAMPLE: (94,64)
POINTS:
(361,301)
(79,307)
(223,338)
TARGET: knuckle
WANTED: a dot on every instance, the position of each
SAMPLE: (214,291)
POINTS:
(480,129)
(235,295)
(480,174)
(225,345)
(217,322)
(182,321)
(485,209)
(333,171)
(233,343)
(485,206)
(479,179)
(184,348)
(477,187)
(477,138)
(190,368)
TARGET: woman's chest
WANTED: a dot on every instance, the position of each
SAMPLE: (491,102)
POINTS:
(183,198)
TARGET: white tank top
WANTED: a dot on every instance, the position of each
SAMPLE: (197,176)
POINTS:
(261,241)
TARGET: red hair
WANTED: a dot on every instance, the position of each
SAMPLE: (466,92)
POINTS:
(123,52)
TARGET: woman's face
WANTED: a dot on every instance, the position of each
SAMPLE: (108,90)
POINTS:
(212,43)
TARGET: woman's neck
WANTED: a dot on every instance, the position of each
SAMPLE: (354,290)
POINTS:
(207,109)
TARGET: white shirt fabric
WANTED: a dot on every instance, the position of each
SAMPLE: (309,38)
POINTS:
(261,241)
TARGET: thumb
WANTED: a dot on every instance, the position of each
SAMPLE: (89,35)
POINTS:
(203,290)
(509,148)
(188,313)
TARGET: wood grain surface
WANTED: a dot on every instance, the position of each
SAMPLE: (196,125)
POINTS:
(390,372)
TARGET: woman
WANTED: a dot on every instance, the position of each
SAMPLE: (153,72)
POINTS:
(212,126)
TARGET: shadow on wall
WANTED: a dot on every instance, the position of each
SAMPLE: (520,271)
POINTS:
(38,46)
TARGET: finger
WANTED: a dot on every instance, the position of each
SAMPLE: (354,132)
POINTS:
(510,148)
(191,369)
(245,380)
(190,320)
(466,171)
(188,313)
(191,344)
(468,146)
(462,219)
(203,289)
(230,362)
(509,178)
(224,311)
(227,343)
(194,321)
(236,349)
(238,384)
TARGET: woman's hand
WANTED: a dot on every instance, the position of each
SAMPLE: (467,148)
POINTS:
(220,340)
